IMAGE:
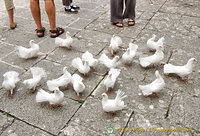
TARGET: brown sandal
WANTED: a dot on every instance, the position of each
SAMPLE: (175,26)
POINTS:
(41,32)
(13,26)
(57,32)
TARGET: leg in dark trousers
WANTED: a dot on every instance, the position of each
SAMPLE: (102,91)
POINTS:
(67,2)
(130,9)
(116,11)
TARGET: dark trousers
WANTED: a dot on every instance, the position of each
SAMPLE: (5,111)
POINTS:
(117,7)
(66,2)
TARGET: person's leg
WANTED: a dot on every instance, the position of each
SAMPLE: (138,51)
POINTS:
(35,10)
(51,12)
(66,3)
(116,7)
(130,11)
(10,8)
(69,7)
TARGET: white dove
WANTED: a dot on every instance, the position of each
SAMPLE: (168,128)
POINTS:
(153,45)
(154,87)
(37,73)
(78,85)
(27,53)
(83,68)
(115,42)
(181,71)
(128,56)
(113,105)
(63,80)
(109,82)
(91,60)
(10,80)
(64,42)
(156,58)
(109,63)
(53,98)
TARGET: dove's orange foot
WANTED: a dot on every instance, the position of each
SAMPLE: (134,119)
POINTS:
(52,106)
(112,55)
(85,76)
(153,66)
(127,64)
(107,92)
(150,50)
(35,57)
(33,91)
(70,48)
(162,64)
(105,112)
(184,80)
(79,97)
(11,96)
(60,105)
(114,114)
(66,88)
(94,70)
(156,95)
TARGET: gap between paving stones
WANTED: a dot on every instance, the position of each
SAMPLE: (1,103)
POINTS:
(81,103)
(149,21)
(8,114)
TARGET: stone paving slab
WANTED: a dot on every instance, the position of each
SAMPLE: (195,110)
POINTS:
(33,113)
(98,120)
(5,121)
(73,129)
(19,128)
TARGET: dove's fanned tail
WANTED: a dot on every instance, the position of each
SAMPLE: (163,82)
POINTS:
(58,41)
(169,68)
(76,78)
(22,52)
(145,90)
(76,63)
(120,96)
(103,58)
(42,96)
(37,71)
(144,62)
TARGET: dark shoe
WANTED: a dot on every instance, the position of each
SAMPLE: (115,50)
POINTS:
(75,7)
(40,33)
(71,10)
(56,32)
(131,22)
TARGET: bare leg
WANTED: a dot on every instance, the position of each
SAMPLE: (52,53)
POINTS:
(11,16)
(35,10)
(50,10)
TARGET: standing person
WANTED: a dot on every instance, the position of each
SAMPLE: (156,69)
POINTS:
(51,13)
(10,9)
(117,14)
(69,7)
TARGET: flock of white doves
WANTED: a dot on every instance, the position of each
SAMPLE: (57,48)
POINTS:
(87,62)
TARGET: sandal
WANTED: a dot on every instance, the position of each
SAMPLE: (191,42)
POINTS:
(57,32)
(13,26)
(118,24)
(131,22)
(40,33)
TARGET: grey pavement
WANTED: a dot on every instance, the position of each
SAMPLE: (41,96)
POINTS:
(178,107)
